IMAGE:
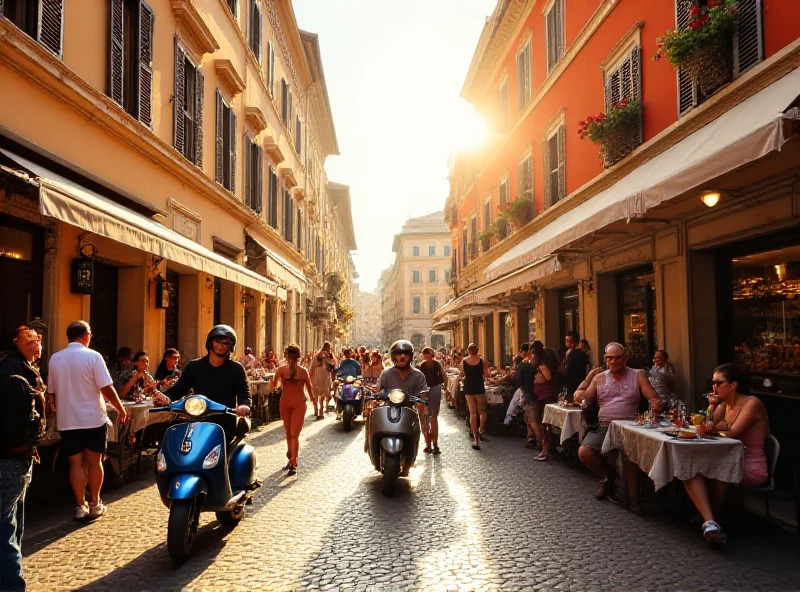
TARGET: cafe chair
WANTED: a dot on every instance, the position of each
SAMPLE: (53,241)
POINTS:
(772,449)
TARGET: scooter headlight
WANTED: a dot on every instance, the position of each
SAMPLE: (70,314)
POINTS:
(195,406)
(161,462)
(397,396)
(349,380)
(212,458)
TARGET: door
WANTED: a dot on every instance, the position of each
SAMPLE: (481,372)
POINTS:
(103,318)
(21,270)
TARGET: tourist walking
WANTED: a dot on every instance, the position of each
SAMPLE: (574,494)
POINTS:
(473,371)
(295,381)
(321,367)
(20,431)
(80,382)
(545,390)
(435,377)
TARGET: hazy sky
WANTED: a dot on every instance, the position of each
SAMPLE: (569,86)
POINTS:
(394,71)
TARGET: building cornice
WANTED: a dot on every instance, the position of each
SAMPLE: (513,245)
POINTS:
(192,29)
(31,61)
(228,77)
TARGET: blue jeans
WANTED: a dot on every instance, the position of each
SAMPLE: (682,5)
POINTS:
(15,475)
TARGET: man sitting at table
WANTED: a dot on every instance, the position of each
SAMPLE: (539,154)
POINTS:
(618,392)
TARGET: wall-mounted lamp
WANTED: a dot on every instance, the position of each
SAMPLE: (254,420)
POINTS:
(248,299)
(710,198)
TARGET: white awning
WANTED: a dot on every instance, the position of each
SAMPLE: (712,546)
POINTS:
(281,270)
(749,131)
(517,279)
(73,204)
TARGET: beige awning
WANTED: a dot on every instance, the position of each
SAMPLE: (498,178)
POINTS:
(73,204)
(472,302)
(279,269)
(749,131)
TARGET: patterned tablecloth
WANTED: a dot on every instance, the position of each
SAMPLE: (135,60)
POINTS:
(663,457)
(139,417)
(567,418)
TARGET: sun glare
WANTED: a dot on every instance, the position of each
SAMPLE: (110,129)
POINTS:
(467,130)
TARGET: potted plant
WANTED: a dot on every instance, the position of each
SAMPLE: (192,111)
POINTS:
(703,49)
(516,213)
(617,132)
(485,238)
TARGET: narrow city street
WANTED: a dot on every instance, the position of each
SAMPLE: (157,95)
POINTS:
(465,520)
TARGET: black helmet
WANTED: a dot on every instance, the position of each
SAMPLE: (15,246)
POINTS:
(401,346)
(221,331)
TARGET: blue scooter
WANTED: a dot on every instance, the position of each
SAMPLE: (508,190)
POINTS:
(195,472)
(349,399)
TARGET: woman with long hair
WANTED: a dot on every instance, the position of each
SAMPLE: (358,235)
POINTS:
(474,373)
(545,390)
(295,381)
(138,378)
(168,369)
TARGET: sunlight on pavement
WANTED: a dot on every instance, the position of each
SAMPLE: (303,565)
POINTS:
(470,549)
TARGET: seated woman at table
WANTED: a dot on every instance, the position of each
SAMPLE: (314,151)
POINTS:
(372,372)
(139,379)
(617,393)
(736,415)
(168,370)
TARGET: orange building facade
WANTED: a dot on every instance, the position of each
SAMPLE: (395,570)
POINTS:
(613,241)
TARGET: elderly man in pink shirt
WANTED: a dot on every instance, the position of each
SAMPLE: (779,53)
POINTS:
(618,391)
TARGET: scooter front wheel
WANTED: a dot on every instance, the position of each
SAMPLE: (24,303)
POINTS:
(231,518)
(391,471)
(183,518)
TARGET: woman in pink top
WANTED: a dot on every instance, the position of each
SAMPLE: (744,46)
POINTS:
(740,416)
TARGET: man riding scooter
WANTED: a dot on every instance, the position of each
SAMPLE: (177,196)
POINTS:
(218,377)
(404,376)
(348,367)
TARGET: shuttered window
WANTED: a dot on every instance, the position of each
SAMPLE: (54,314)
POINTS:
(254,167)
(502,104)
(188,108)
(225,142)
(464,258)
(487,213)
(554,33)
(748,47)
(473,242)
(130,71)
(416,305)
(433,303)
(299,233)
(554,153)
(523,76)
(624,81)
(298,136)
(41,19)
(288,215)
(254,32)
(286,103)
(502,200)
(525,177)
(233,5)
(270,69)
(273,188)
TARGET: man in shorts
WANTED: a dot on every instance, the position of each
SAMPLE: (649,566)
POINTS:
(81,385)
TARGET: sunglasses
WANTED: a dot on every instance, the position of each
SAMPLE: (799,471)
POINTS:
(718,382)
(612,358)
(402,354)
(226,342)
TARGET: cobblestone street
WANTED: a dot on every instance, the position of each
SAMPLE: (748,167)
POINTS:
(488,520)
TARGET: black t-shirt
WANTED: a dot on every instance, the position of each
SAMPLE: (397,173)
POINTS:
(432,371)
(225,384)
(575,367)
(523,378)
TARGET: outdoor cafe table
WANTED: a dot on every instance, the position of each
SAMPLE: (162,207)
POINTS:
(259,391)
(139,417)
(568,419)
(665,458)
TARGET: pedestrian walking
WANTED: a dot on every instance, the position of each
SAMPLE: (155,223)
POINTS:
(79,382)
(435,377)
(295,382)
(20,431)
(575,366)
(321,367)
(474,372)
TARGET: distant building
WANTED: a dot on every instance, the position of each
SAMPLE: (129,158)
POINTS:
(367,330)
(417,283)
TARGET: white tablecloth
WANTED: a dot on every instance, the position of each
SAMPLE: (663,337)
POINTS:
(139,417)
(452,384)
(569,419)
(259,387)
(663,457)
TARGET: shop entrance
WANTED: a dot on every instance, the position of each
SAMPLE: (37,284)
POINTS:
(103,317)
(637,315)
(21,268)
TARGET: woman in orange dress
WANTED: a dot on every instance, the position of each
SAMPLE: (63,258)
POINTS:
(295,382)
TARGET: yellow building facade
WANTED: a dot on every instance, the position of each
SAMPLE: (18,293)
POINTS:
(162,170)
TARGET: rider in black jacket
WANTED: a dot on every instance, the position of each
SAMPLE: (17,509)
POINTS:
(217,377)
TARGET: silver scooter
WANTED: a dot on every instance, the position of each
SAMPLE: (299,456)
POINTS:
(392,435)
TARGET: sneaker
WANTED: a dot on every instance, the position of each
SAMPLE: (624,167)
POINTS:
(713,533)
(81,512)
(97,510)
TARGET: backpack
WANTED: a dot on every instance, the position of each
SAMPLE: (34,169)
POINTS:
(22,417)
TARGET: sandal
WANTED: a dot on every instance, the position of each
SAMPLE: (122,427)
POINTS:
(476,446)
(712,532)
(428,450)
(542,457)
(436,450)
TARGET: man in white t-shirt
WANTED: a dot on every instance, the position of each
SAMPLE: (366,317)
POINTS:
(79,381)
